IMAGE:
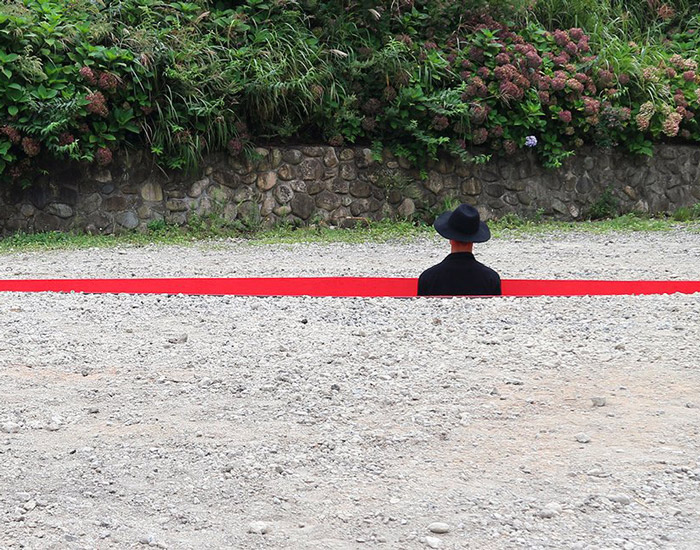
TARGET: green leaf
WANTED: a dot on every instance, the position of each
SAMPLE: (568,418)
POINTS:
(13,110)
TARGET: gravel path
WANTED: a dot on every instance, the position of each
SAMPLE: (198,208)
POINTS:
(318,423)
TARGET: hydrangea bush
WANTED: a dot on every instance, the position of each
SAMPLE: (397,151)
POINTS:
(81,79)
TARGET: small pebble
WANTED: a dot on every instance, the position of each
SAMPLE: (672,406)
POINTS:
(10,427)
(620,499)
(433,542)
(598,401)
(259,527)
(438,527)
(30,505)
(583,438)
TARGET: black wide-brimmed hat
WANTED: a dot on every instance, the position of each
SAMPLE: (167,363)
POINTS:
(463,224)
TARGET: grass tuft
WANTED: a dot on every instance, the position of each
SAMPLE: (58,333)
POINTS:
(378,232)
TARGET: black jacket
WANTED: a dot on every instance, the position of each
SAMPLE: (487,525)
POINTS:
(459,275)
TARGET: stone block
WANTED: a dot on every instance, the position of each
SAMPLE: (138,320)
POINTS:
(584,185)
(128,220)
(311,169)
(353,222)
(510,199)
(347,154)
(330,159)
(230,211)
(302,205)
(630,192)
(177,218)
(292,156)
(115,203)
(241,194)
(364,158)
(97,223)
(676,196)
(514,185)
(348,171)
(287,172)
(489,173)
(283,193)
(103,175)
(495,190)
(298,186)
(176,205)
(360,189)
(267,206)
(445,166)
(527,169)
(313,151)
(152,191)
(283,210)
(314,186)
(91,203)
(394,196)
(47,222)
(407,208)
(463,169)
(559,207)
(485,213)
(204,206)
(275,158)
(340,185)
(327,200)
(524,198)
(267,181)
(451,181)
(340,213)
(59,209)
(196,189)
(471,186)
(434,182)
(359,207)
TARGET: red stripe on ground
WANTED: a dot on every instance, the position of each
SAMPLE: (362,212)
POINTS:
(525,287)
(302,286)
(335,286)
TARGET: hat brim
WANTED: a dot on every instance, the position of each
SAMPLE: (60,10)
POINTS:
(482,235)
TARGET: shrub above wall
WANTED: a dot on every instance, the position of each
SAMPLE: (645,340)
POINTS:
(82,80)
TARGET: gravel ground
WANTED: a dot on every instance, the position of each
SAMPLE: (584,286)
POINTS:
(318,423)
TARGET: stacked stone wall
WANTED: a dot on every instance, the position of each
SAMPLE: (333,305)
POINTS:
(302,185)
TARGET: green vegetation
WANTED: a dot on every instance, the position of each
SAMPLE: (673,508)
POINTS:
(81,79)
(688,219)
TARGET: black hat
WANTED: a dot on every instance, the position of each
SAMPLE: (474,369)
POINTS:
(463,224)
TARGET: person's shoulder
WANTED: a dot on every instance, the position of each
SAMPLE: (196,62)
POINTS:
(431,270)
(487,270)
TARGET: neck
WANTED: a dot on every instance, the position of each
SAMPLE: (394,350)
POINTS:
(458,246)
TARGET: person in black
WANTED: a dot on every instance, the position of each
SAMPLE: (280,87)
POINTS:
(459,274)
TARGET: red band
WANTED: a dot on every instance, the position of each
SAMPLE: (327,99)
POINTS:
(335,286)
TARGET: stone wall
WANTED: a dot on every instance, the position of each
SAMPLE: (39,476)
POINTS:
(341,186)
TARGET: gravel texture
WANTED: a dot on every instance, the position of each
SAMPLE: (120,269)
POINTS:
(319,423)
